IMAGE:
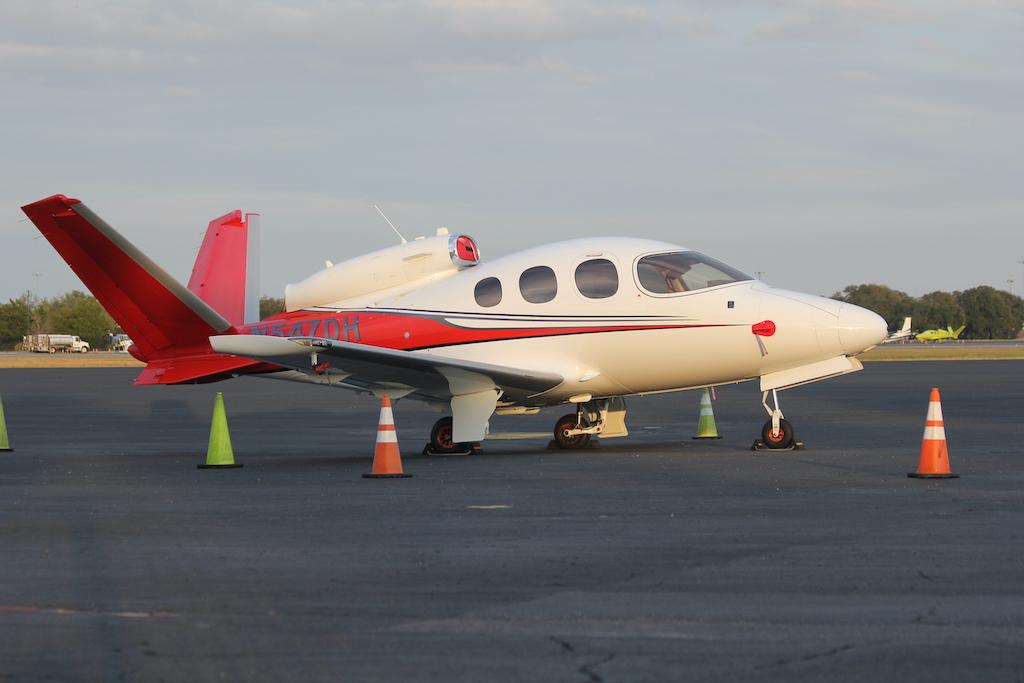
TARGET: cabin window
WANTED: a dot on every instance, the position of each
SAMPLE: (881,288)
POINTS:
(488,292)
(538,284)
(597,278)
(684,271)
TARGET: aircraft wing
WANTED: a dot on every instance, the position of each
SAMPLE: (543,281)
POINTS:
(473,388)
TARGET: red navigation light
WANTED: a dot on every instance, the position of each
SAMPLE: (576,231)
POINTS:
(765,328)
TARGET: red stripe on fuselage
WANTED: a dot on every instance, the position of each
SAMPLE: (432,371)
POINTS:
(413,332)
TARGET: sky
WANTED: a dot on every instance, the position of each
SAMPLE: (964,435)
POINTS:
(819,143)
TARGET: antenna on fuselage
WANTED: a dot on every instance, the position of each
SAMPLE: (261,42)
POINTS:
(391,224)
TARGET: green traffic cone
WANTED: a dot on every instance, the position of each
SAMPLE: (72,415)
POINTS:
(5,444)
(219,454)
(706,428)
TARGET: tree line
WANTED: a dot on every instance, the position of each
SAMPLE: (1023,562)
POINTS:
(988,313)
(72,313)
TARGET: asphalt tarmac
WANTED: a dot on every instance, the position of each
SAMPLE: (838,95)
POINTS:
(651,558)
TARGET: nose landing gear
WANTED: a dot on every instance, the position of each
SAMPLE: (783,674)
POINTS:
(777,433)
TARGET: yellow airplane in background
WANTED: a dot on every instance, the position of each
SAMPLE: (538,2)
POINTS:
(941,335)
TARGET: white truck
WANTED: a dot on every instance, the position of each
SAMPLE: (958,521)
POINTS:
(52,343)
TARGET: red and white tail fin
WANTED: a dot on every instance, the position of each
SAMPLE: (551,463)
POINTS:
(226,271)
(169,324)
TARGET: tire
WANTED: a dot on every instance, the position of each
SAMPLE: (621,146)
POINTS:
(569,442)
(441,438)
(784,439)
(53,350)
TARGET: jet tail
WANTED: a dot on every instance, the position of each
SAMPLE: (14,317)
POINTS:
(226,271)
(169,324)
(955,334)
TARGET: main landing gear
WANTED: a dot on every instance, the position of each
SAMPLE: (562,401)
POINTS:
(777,433)
(441,442)
(568,434)
(604,417)
(573,431)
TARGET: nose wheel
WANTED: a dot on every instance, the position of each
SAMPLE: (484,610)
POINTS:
(778,437)
(777,433)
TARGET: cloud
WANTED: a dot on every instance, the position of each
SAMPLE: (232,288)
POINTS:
(190,41)
(734,125)
(815,21)
(540,20)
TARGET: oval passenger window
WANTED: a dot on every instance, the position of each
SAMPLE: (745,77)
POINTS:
(538,284)
(597,278)
(488,292)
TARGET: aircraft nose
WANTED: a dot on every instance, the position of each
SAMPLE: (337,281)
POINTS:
(859,329)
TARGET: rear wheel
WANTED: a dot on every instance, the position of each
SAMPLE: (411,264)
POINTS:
(783,438)
(567,422)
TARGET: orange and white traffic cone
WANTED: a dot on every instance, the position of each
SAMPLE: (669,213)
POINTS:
(934,461)
(387,459)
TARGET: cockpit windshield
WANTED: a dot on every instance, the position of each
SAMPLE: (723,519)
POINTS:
(684,271)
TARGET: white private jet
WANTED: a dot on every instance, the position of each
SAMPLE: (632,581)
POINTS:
(901,334)
(584,323)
